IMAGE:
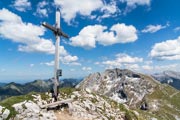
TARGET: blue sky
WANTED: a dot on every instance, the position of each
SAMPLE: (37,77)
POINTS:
(141,35)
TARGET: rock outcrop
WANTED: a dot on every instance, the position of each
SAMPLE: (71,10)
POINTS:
(29,110)
(123,86)
(4,113)
(84,106)
(94,107)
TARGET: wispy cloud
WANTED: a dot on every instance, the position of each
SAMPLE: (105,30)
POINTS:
(177,29)
(42,9)
(65,59)
(123,61)
(153,28)
(86,68)
(160,68)
(31,65)
(22,5)
(132,4)
(51,63)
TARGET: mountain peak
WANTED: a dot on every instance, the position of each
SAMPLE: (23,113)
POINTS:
(122,85)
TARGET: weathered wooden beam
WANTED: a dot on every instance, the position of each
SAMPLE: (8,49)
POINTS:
(56,103)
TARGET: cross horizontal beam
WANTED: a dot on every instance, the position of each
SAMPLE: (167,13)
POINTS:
(57,31)
(57,103)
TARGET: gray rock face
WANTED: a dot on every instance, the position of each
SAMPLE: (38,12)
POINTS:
(29,110)
(123,86)
(93,107)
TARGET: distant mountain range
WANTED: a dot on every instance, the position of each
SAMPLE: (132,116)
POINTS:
(2,84)
(170,77)
(13,89)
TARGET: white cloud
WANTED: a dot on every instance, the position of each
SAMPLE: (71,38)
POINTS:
(29,36)
(22,5)
(134,67)
(173,67)
(51,63)
(87,36)
(147,67)
(45,46)
(177,29)
(132,4)
(70,9)
(86,68)
(160,68)
(86,8)
(70,60)
(31,65)
(125,33)
(13,28)
(92,34)
(42,10)
(8,16)
(153,28)
(109,10)
(136,2)
(123,60)
(65,58)
(167,50)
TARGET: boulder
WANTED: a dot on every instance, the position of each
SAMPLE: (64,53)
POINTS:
(5,114)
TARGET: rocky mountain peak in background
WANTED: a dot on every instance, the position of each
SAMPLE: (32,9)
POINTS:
(123,86)
(170,77)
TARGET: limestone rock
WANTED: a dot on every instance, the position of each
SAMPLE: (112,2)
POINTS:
(4,113)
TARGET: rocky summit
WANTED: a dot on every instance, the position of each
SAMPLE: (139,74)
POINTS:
(84,106)
(123,86)
(138,91)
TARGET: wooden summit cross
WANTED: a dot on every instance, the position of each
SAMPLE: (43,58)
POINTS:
(58,33)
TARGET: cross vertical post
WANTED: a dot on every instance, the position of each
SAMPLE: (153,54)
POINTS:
(56,61)
(58,33)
